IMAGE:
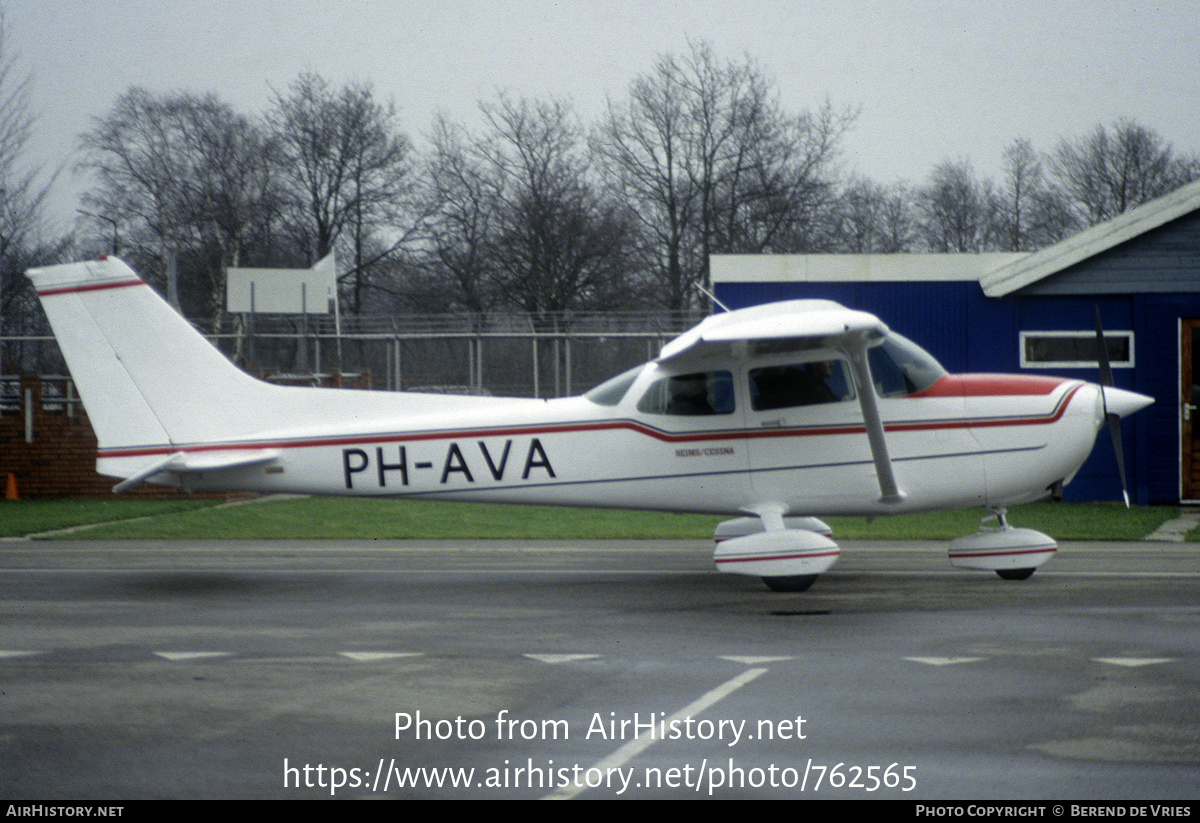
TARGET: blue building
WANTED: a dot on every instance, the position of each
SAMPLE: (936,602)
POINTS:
(1035,313)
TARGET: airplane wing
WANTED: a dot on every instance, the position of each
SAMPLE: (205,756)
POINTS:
(822,320)
(202,461)
(826,325)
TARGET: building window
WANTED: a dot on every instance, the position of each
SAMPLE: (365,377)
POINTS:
(1074,349)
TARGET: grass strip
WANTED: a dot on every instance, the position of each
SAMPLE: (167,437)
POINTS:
(21,517)
(349,518)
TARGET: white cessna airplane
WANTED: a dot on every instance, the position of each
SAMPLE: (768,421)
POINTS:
(776,413)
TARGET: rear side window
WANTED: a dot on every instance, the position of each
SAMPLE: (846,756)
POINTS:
(688,395)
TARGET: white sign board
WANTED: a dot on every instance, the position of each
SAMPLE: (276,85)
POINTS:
(277,291)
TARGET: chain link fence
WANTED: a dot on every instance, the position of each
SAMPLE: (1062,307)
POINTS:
(503,354)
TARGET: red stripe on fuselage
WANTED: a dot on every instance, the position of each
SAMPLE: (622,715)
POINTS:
(570,428)
(396,437)
(966,555)
(990,385)
(767,557)
(116,284)
(971,423)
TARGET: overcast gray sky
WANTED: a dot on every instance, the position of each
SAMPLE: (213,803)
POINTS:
(934,80)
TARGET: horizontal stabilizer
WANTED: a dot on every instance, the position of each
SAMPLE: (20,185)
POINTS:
(180,462)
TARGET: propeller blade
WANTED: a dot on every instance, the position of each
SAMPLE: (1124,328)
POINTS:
(1113,419)
(1114,431)
(1106,378)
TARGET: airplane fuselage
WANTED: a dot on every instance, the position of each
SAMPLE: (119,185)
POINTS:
(780,411)
(965,441)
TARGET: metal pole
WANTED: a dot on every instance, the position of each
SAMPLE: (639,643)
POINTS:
(302,355)
(399,374)
(172,278)
(533,338)
(3,209)
(557,365)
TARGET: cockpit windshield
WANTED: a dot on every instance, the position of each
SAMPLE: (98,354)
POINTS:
(612,390)
(899,367)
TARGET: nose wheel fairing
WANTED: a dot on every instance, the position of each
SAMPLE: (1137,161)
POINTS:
(1010,552)
(777,554)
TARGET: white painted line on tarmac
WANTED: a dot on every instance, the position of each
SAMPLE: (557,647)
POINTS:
(562,658)
(639,744)
(176,657)
(1134,662)
(370,657)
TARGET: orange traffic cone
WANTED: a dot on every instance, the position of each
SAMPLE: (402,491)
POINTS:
(10,488)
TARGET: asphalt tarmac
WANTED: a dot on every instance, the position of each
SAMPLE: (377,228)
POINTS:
(498,669)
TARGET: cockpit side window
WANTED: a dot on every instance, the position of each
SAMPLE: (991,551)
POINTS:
(800,384)
(699,393)
(899,367)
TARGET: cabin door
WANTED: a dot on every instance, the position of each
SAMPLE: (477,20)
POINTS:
(1189,401)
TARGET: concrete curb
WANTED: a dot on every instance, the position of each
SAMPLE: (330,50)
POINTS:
(1175,531)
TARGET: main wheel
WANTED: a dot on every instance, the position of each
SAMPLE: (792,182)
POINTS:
(1015,574)
(795,583)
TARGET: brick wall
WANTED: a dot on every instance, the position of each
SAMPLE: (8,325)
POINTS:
(61,459)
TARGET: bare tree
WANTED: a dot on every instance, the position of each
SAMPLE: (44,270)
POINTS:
(897,228)
(643,145)
(183,176)
(1109,171)
(138,159)
(24,236)
(346,167)
(1022,180)
(956,209)
(557,240)
(711,163)
(868,218)
(778,192)
(458,195)
(513,217)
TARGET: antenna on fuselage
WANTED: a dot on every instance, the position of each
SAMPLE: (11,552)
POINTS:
(712,297)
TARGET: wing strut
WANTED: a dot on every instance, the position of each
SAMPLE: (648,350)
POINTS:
(856,351)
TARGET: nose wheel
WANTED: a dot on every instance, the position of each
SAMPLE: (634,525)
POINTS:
(1011,553)
(795,583)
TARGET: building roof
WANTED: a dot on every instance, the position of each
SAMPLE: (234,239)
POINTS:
(833,268)
(1031,268)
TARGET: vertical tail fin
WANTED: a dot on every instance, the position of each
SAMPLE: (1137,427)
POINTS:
(146,377)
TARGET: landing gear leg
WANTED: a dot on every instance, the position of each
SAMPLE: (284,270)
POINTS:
(1001,515)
